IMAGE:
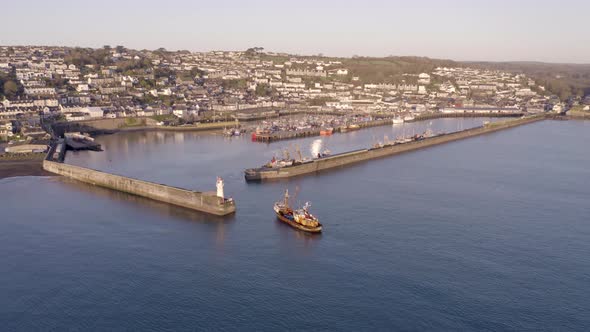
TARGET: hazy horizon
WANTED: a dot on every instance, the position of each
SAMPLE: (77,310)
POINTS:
(497,31)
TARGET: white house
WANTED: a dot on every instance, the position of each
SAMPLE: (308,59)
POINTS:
(39,91)
(94,112)
(82,113)
(6,130)
(181,113)
(82,87)
(424,78)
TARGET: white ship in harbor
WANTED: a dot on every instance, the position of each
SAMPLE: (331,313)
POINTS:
(397,120)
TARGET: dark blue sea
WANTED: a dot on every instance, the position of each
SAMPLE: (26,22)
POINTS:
(487,233)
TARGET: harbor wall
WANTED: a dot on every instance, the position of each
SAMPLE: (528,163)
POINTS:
(368,154)
(194,200)
(101,126)
(285,135)
(440,115)
(579,115)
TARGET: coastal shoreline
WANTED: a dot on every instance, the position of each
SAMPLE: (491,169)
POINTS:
(579,116)
(22,167)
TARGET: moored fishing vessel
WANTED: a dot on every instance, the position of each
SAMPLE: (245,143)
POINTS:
(300,219)
(350,128)
(326,132)
(288,167)
(276,164)
(388,148)
(232,132)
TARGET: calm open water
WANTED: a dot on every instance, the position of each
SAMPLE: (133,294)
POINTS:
(488,233)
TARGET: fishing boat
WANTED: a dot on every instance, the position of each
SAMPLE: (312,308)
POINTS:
(277,164)
(397,120)
(350,128)
(232,132)
(326,132)
(300,219)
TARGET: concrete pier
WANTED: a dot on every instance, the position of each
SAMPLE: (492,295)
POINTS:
(352,157)
(429,116)
(199,201)
(284,135)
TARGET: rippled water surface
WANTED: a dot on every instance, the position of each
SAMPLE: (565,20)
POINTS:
(490,232)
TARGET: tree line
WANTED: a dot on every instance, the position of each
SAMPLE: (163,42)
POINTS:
(10,87)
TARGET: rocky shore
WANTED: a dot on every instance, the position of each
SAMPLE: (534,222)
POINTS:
(25,165)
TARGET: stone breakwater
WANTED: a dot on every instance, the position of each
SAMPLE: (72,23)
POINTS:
(351,157)
(195,200)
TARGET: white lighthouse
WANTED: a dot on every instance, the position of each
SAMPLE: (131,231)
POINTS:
(220,187)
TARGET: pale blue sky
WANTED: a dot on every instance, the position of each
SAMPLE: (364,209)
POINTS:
(552,31)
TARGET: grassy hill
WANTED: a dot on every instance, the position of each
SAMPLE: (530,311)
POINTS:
(379,70)
(561,79)
(391,69)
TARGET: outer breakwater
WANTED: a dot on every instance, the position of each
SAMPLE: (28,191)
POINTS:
(352,157)
(440,115)
(204,202)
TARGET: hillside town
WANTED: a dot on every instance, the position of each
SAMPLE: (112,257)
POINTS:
(71,84)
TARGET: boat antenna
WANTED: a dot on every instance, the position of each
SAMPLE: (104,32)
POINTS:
(298,152)
(287,197)
(296,192)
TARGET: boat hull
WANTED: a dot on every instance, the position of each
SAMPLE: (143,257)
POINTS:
(326,132)
(253,175)
(300,227)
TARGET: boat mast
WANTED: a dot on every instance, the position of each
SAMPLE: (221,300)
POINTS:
(286,198)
